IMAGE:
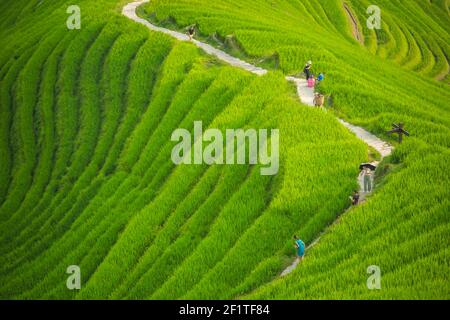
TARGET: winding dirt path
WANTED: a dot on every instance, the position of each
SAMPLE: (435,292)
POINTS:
(305,94)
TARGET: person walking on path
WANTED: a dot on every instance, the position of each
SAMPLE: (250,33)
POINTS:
(191,32)
(367,180)
(300,246)
(311,82)
(355,198)
(307,70)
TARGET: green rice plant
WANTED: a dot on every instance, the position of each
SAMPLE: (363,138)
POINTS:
(379,232)
(22,127)
(86,175)
(106,224)
(141,225)
(45,118)
(78,163)
(7,101)
(66,122)
(125,65)
(142,80)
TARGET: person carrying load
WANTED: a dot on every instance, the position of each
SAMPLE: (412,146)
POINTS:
(319,99)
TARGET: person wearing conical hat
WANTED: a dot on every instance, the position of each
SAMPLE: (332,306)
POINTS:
(307,70)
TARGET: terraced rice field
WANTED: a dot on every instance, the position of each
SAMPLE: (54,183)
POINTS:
(405,35)
(86,176)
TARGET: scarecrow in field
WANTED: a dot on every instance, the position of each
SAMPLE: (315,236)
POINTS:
(307,70)
(300,246)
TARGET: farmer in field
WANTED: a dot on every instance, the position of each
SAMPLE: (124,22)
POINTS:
(319,99)
(367,178)
(355,197)
(320,77)
(311,82)
(191,32)
(307,70)
(300,246)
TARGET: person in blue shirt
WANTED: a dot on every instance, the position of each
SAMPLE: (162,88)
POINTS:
(300,246)
(320,77)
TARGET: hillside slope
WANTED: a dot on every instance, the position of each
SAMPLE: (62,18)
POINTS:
(88,175)
(411,207)
(87,178)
